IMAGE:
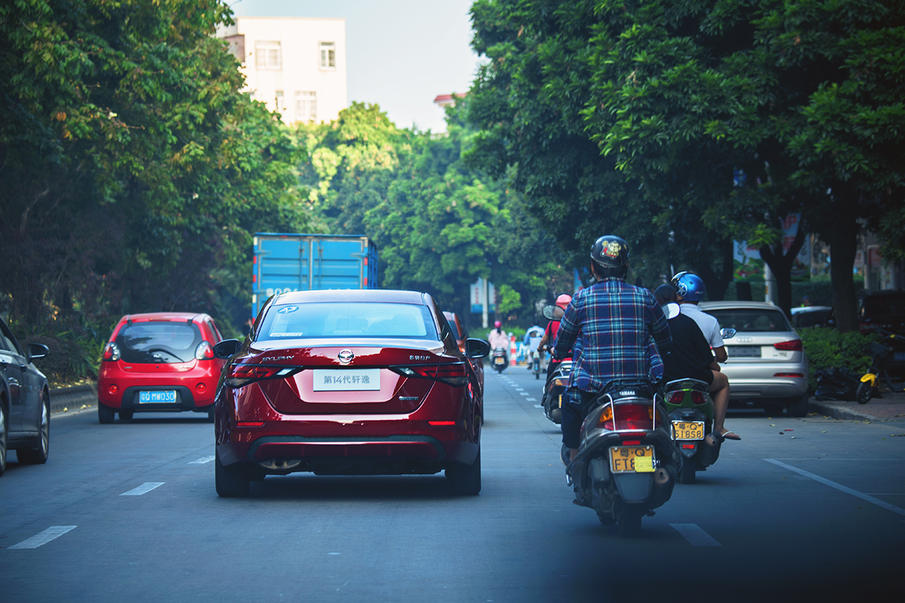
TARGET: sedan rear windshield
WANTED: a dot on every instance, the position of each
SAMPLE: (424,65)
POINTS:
(348,319)
(158,342)
(752,319)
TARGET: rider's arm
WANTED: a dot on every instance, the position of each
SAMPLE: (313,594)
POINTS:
(658,326)
(720,354)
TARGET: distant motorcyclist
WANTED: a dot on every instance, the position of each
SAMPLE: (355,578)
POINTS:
(498,338)
(617,322)
(562,301)
(690,290)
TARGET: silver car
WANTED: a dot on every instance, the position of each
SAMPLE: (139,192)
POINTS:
(766,365)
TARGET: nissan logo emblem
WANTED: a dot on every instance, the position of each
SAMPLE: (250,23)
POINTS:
(346,356)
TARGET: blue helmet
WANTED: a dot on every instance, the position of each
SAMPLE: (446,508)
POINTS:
(689,287)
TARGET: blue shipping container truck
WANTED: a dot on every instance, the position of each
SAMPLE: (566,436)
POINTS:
(298,262)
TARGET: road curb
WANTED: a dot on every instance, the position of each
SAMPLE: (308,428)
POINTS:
(837,411)
(66,399)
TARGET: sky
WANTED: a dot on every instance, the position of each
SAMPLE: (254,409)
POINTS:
(400,53)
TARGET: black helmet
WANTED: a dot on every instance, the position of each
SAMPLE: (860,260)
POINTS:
(610,251)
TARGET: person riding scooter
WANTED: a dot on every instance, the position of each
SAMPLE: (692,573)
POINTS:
(562,301)
(498,338)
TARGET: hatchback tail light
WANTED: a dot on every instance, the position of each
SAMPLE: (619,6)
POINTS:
(204,351)
(243,374)
(789,346)
(111,352)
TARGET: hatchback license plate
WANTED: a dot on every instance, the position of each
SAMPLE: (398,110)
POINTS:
(632,459)
(688,430)
(166,396)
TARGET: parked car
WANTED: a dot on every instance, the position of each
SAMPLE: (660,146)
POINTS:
(24,401)
(365,381)
(813,316)
(461,334)
(159,361)
(884,309)
(766,366)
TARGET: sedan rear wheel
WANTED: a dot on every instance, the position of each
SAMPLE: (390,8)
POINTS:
(4,434)
(798,407)
(465,480)
(231,481)
(38,452)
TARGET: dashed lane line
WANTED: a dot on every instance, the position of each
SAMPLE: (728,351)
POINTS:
(202,461)
(51,533)
(694,534)
(142,489)
(822,480)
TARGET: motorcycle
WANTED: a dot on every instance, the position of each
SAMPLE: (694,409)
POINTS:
(690,411)
(555,389)
(498,359)
(836,383)
(626,464)
(880,355)
(535,363)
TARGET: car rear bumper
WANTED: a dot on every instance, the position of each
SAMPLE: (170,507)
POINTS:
(129,399)
(778,387)
(119,389)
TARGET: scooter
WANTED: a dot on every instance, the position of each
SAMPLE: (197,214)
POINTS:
(535,363)
(690,410)
(555,388)
(880,354)
(626,464)
(498,359)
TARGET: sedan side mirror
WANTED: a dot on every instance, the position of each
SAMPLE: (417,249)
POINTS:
(727,333)
(227,348)
(476,348)
(36,351)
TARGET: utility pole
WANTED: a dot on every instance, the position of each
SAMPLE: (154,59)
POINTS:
(485,300)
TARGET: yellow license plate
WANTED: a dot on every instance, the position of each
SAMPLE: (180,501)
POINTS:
(688,430)
(632,459)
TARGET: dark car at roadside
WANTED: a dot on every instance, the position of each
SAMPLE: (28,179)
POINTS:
(24,401)
(461,334)
(349,382)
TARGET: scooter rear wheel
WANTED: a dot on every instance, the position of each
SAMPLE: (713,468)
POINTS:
(863,393)
(628,520)
(687,474)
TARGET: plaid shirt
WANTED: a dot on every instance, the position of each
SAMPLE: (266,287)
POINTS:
(618,324)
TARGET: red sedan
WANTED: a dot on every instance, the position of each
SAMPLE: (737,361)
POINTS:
(160,361)
(349,382)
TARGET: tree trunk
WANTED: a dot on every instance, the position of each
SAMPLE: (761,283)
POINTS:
(843,242)
(781,265)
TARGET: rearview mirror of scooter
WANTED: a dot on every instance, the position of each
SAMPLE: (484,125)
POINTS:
(553,312)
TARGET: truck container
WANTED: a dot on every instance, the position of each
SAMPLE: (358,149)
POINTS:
(299,262)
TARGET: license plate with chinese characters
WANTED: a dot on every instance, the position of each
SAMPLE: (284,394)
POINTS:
(167,396)
(688,430)
(632,459)
(326,380)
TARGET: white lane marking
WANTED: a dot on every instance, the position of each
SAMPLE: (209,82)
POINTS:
(202,461)
(526,394)
(51,533)
(538,406)
(840,487)
(142,489)
(531,399)
(694,534)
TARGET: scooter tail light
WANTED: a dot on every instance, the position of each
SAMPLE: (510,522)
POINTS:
(676,397)
(634,416)
(111,352)
(698,397)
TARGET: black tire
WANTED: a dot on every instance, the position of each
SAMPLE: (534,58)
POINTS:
(4,435)
(38,452)
(798,407)
(556,415)
(774,410)
(628,520)
(105,414)
(210,414)
(864,392)
(125,415)
(465,480)
(232,481)
(688,472)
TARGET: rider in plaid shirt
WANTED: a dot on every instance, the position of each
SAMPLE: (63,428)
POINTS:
(616,322)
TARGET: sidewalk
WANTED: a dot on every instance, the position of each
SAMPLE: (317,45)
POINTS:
(71,399)
(891,407)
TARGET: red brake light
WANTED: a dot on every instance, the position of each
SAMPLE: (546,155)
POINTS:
(698,397)
(111,352)
(243,374)
(789,346)
(676,397)
(798,375)
(204,351)
(452,373)
(634,416)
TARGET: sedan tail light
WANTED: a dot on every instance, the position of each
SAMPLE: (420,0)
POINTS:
(789,346)
(243,374)
(111,352)
(452,373)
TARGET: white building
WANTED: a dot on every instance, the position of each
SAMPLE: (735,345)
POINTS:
(296,66)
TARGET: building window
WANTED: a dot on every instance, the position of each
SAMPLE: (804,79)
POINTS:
(268,55)
(305,105)
(328,55)
(279,101)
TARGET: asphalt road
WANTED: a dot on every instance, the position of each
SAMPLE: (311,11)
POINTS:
(800,509)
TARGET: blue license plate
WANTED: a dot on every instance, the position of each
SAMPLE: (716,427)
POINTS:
(166,396)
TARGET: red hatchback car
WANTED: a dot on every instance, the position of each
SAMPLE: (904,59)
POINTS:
(161,361)
(349,382)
